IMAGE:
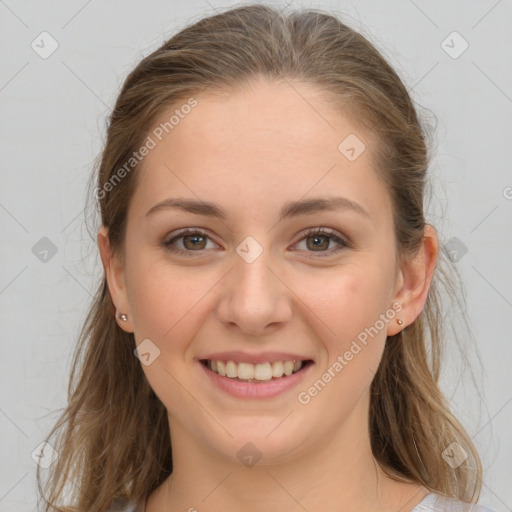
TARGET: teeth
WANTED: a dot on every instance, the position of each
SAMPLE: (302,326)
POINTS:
(288,367)
(221,368)
(231,370)
(260,371)
(245,371)
(277,369)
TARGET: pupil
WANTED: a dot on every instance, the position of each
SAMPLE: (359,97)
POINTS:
(318,241)
(195,239)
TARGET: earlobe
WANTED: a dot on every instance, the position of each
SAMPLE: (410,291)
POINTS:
(414,280)
(114,273)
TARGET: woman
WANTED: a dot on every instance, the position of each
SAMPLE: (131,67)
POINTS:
(268,330)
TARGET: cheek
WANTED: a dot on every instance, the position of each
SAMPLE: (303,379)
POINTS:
(348,300)
(164,300)
(168,305)
(351,305)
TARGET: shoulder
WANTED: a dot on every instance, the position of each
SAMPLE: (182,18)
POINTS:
(127,506)
(436,503)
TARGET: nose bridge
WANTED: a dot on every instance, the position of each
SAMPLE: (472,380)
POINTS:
(255,279)
(253,297)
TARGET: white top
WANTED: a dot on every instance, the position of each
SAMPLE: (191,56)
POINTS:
(430,503)
(436,503)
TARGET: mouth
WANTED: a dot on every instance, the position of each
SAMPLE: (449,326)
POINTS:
(256,373)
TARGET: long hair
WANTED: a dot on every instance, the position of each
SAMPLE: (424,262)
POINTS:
(113,438)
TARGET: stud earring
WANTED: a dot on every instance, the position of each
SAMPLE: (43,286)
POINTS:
(399,321)
(123,317)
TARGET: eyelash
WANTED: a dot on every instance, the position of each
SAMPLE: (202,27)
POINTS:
(309,233)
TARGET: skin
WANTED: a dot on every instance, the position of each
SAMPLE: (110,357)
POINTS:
(251,152)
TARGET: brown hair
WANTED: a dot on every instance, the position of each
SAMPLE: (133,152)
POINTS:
(113,436)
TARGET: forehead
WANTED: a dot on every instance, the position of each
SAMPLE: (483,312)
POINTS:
(267,119)
(267,142)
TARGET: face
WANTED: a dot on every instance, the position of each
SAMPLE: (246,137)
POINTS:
(261,271)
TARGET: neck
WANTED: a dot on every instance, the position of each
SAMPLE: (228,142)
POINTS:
(339,474)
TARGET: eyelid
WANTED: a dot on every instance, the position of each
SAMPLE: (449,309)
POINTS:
(184,232)
(320,231)
(343,241)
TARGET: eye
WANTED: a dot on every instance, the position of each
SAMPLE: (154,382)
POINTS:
(316,240)
(188,241)
(319,239)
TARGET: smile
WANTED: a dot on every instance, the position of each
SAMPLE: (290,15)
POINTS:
(248,372)
(255,381)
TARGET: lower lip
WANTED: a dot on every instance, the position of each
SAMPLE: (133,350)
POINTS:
(269,389)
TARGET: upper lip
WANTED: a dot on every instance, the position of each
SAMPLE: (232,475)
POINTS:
(261,357)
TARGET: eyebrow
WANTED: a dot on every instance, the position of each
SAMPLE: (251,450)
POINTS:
(292,209)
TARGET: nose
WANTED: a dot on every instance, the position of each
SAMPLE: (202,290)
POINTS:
(254,297)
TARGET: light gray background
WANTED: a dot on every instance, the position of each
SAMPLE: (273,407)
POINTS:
(53,117)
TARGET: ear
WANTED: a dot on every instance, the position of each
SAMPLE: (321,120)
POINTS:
(414,279)
(114,273)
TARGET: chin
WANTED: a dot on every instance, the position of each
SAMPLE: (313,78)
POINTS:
(264,441)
